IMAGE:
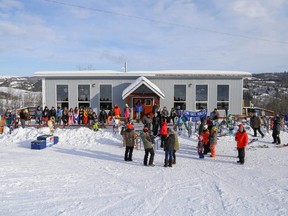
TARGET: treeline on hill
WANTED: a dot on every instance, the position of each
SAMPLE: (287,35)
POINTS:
(276,85)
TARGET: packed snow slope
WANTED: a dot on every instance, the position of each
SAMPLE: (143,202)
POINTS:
(85,174)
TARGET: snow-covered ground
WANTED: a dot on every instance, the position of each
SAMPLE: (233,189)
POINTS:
(85,174)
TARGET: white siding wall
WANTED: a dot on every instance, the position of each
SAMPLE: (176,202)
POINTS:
(165,84)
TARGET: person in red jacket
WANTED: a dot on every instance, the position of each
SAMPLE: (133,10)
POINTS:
(241,138)
(163,133)
(117,111)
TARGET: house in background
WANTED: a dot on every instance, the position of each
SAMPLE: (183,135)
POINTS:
(191,90)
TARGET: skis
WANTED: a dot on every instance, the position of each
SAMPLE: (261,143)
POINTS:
(252,141)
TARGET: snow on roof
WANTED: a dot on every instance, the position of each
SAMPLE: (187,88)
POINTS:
(137,83)
(161,73)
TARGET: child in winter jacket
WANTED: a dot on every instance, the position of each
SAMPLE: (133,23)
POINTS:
(213,141)
(163,133)
(147,142)
(85,115)
(127,112)
(70,117)
(200,147)
(206,134)
(241,138)
(129,136)
(176,144)
(169,148)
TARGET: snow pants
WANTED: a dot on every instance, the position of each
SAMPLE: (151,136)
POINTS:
(213,150)
(151,159)
(128,153)
(241,154)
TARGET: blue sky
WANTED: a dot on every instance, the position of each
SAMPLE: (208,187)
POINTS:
(245,35)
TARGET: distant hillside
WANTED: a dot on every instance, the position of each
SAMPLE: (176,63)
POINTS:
(268,90)
(24,83)
(18,92)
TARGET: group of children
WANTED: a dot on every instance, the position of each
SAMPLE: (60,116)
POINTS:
(207,142)
(169,140)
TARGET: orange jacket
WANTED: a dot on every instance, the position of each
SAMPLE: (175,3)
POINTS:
(241,138)
(205,136)
(117,111)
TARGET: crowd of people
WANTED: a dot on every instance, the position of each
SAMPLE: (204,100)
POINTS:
(155,124)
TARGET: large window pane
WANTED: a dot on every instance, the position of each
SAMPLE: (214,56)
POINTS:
(62,92)
(179,92)
(201,92)
(223,93)
(223,97)
(180,96)
(83,92)
(106,97)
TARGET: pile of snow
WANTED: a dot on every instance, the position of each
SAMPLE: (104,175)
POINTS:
(85,174)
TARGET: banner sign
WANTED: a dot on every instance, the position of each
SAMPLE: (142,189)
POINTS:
(196,116)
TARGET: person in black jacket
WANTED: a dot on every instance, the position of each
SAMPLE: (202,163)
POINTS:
(102,117)
(169,149)
(22,118)
(276,130)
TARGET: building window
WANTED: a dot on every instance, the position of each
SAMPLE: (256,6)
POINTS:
(62,96)
(223,97)
(105,97)
(180,96)
(148,102)
(83,96)
(201,97)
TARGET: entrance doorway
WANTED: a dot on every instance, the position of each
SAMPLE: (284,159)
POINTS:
(147,104)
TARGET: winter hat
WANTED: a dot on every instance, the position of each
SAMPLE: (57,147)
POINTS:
(205,127)
(240,125)
(129,126)
(145,129)
(126,105)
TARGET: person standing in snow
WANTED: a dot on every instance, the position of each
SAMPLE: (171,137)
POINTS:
(215,116)
(276,130)
(213,141)
(129,136)
(241,138)
(52,112)
(22,118)
(138,110)
(147,121)
(127,113)
(102,117)
(165,115)
(147,142)
(163,133)
(200,146)
(45,115)
(206,135)
(172,115)
(38,115)
(117,111)
(176,144)
(76,115)
(255,123)
(169,148)
(65,116)
(58,115)
(156,123)
(70,117)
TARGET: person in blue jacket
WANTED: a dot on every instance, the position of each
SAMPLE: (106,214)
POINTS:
(138,111)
